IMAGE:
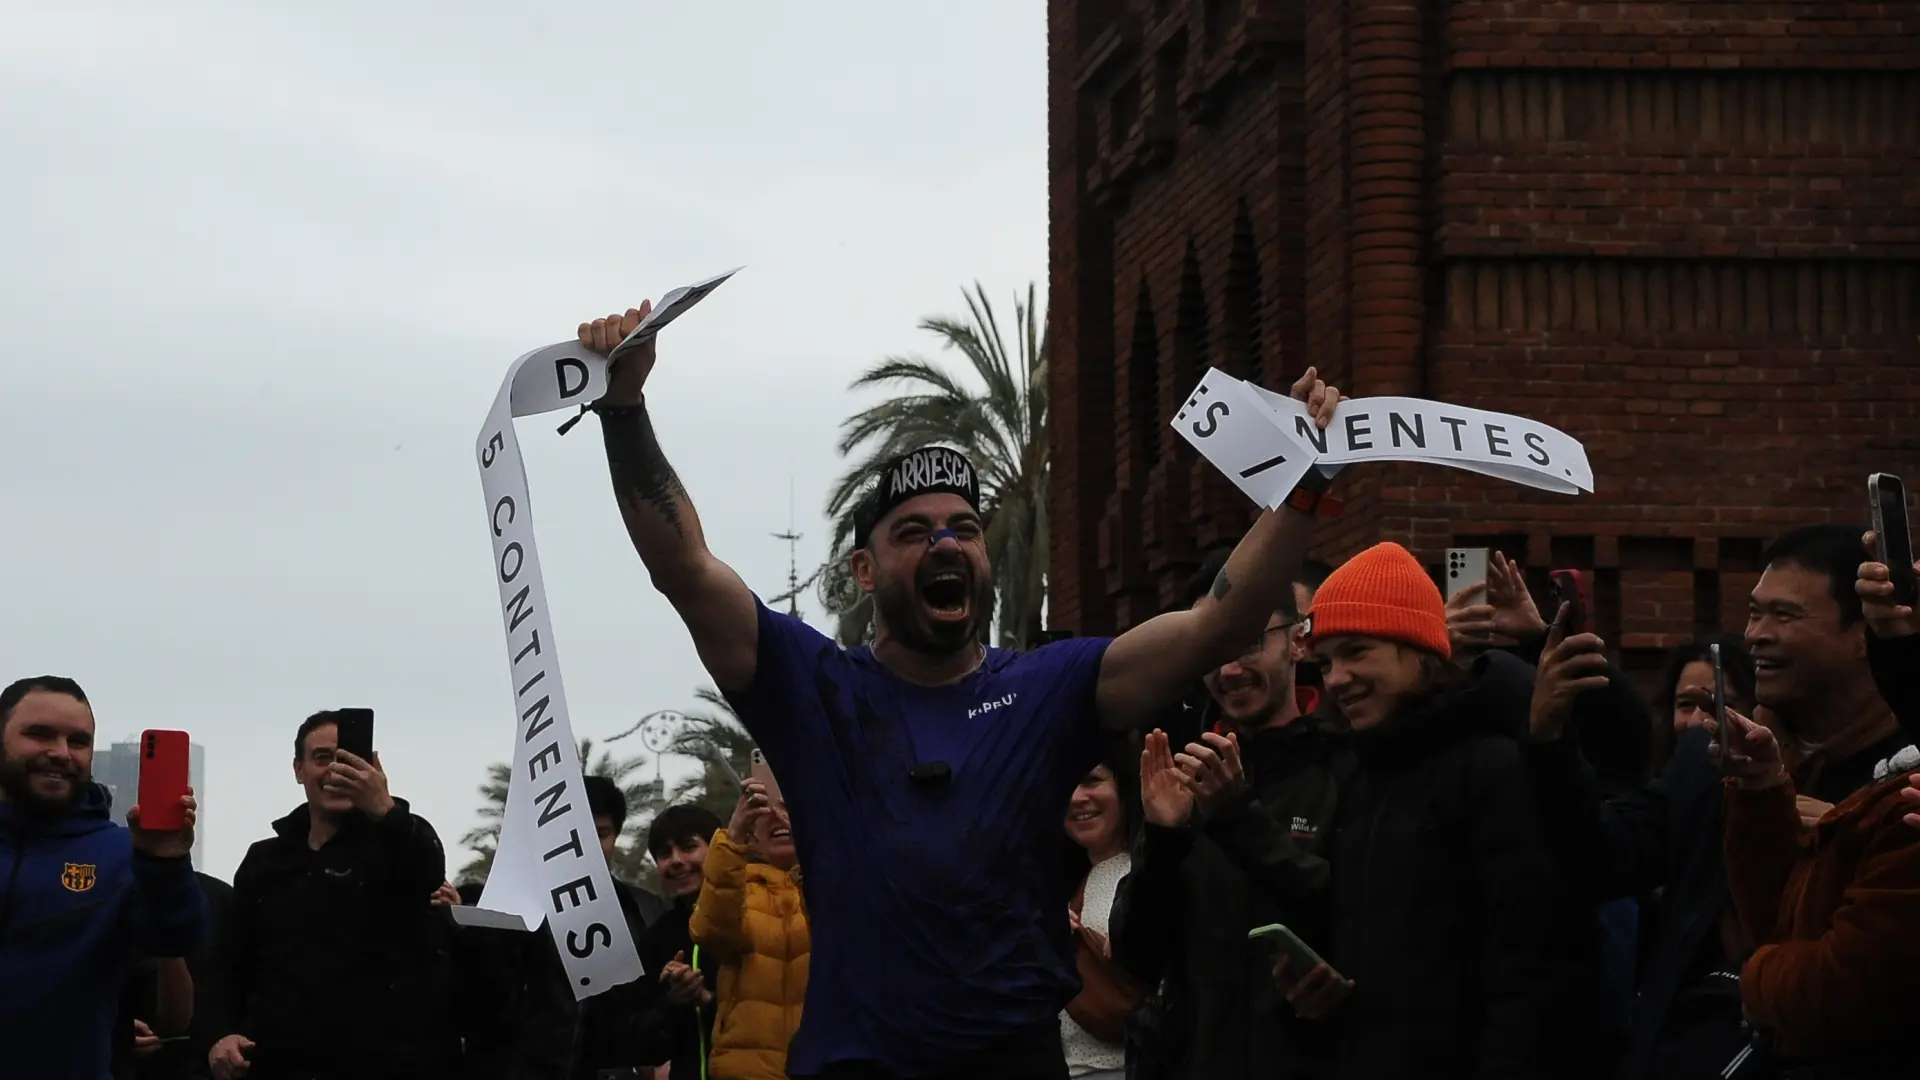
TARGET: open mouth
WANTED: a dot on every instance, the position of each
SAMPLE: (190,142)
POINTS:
(783,834)
(1084,816)
(1768,664)
(945,593)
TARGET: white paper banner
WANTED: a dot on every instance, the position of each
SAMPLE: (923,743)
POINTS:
(548,866)
(1511,448)
(1234,428)
(1500,445)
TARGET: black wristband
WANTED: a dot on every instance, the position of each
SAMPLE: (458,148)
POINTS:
(603,409)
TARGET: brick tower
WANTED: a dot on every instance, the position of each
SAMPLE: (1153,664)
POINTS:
(1686,233)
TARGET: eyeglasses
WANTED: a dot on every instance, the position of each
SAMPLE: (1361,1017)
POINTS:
(1259,644)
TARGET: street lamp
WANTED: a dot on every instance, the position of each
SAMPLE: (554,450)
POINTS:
(657,731)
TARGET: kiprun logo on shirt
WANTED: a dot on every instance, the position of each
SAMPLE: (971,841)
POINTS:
(989,706)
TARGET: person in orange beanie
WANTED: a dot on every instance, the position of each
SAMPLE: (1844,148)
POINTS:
(1443,894)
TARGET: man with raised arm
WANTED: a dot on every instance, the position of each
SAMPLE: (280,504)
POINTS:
(928,774)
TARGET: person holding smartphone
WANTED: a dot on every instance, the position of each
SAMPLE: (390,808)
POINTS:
(1893,655)
(333,964)
(1443,896)
(1832,912)
(1658,841)
(1830,909)
(81,892)
(1236,821)
(1893,639)
(752,921)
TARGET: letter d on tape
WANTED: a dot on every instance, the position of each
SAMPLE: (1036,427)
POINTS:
(548,866)
(541,854)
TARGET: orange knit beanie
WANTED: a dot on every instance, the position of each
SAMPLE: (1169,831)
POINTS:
(1383,592)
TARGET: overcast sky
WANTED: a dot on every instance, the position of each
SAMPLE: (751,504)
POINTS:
(262,268)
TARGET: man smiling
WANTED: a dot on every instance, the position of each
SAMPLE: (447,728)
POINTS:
(928,773)
(1248,853)
(81,892)
(1811,676)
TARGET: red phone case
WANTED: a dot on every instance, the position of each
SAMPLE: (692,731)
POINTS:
(163,779)
(1576,586)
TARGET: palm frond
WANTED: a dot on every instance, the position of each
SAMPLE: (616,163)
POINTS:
(484,838)
(994,409)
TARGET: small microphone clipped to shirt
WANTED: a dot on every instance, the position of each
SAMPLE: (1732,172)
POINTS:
(930,773)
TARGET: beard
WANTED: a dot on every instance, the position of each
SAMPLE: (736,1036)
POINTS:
(16,780)
(901,606)
(1275,690)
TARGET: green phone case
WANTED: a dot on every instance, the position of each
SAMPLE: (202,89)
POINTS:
(1300,955)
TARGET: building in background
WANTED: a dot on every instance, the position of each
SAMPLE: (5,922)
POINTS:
(1685,233)
(118,767)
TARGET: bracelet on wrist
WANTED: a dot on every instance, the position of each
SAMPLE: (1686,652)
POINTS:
(1313,503)
(602,408)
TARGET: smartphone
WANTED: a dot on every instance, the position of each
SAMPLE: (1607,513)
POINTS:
(1300,956)
(764,774)
(164,758)
(356,733)
(1573,587)
(1887,497)
(1719,695)
(1466,567)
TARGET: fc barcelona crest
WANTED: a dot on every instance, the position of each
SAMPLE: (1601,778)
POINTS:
(78,877)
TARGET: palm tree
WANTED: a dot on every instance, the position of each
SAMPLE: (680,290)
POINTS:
(484,838)
(998,417)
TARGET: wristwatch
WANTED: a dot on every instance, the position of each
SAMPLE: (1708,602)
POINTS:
(1310,496)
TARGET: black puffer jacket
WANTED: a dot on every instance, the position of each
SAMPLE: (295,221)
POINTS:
(1193,894)
(1663,834)
(1444,897)
(679,1036)
(549,1035)
(1896,674)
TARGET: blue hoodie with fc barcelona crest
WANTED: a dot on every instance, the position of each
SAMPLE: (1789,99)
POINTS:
(75,903)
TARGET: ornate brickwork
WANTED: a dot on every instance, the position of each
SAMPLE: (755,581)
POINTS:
(1687,233)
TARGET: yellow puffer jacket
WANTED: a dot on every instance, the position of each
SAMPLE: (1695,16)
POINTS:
(752,921)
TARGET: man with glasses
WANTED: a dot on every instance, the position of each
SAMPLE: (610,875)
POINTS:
(1267,780)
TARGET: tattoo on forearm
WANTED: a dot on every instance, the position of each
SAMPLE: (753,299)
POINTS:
(1221,586)
(641,474)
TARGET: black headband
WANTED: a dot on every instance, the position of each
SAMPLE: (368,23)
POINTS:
(927,471)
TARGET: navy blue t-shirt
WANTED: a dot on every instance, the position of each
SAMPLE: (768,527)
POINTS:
(938,911)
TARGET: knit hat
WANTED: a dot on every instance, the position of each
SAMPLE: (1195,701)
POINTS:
(1385,593)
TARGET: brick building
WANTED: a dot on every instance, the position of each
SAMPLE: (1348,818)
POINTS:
(1686,233)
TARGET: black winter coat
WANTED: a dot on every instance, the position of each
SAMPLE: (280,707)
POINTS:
(1184,911)
(1666,833)
(1444,896)
(676,1035)
(558,1038)
(1896,674)
(180,1060)
(332,961)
